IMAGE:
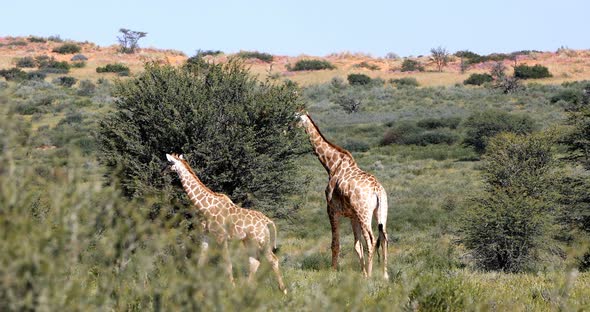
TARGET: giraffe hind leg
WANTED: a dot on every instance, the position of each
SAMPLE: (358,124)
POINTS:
(358,244)
(370,242)
(383,241)
(274,262)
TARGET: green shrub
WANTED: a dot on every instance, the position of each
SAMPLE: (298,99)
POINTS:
(86,88)
(401,133)
(209,52)
(470,57)
(481,126)
(265,57)
(311,65)
(200,53)
(19,43)
(531,72)
(436,137)
(55,38)
(443,122)
(315,262)
(571,96)
(51,66)
(405,82)
(65,81)
(509,226)
(13,74)
(358,79)
(79,64)
(411,65)
(26,62)
(478,79)
(234,130)
(117,68)
(67,48)
(350,101)
(367,66)
(38,75)
(37,39)
(354,145)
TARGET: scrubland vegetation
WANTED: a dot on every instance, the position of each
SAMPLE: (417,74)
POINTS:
(488,192)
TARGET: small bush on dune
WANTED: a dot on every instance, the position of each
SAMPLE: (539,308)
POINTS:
(311,65)
(37,39)
(13,74)
(65,81)
(79,57)
(51,66)
(531,72)
(67,48)
(26,62)
(86,88)
(117,68)
(405,82)
(265,57)
(478,79)
(367,66)
(38,75)
(358,79)
(411,65)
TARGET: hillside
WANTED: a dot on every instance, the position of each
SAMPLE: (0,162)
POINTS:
(565,64)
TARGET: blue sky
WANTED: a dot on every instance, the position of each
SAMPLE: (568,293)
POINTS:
(311,27)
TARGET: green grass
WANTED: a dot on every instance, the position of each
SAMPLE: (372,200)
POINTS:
(69,242)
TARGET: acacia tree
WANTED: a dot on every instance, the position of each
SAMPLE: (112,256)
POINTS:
(440,56)
(234,130)
(129,40)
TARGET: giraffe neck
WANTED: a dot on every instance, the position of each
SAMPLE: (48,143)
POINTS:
(330,155)
(201,196)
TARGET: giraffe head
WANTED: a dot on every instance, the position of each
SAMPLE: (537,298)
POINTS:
(302,118)
(177,161)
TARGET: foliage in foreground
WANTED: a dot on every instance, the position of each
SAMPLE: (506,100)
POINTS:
(235,132)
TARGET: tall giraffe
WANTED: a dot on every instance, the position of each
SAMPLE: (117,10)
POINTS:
(226,221)
(351,193)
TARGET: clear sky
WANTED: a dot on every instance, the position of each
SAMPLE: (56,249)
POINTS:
(312,27)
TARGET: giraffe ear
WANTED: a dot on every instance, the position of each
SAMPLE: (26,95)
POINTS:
(181,156)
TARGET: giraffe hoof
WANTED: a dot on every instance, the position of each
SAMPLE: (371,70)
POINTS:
(285,291)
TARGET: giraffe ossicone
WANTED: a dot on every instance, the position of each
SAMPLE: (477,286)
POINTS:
(225,221)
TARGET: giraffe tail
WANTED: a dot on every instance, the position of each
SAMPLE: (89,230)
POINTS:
(381,221)
(273,237)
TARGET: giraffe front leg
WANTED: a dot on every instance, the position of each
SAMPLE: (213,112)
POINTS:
(335,238)
(254,264)
(358,244)
(229,268)
(204,254)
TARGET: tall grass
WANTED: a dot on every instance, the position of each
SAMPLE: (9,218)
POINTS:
(70,242)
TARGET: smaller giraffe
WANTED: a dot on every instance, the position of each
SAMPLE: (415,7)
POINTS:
(226,221)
